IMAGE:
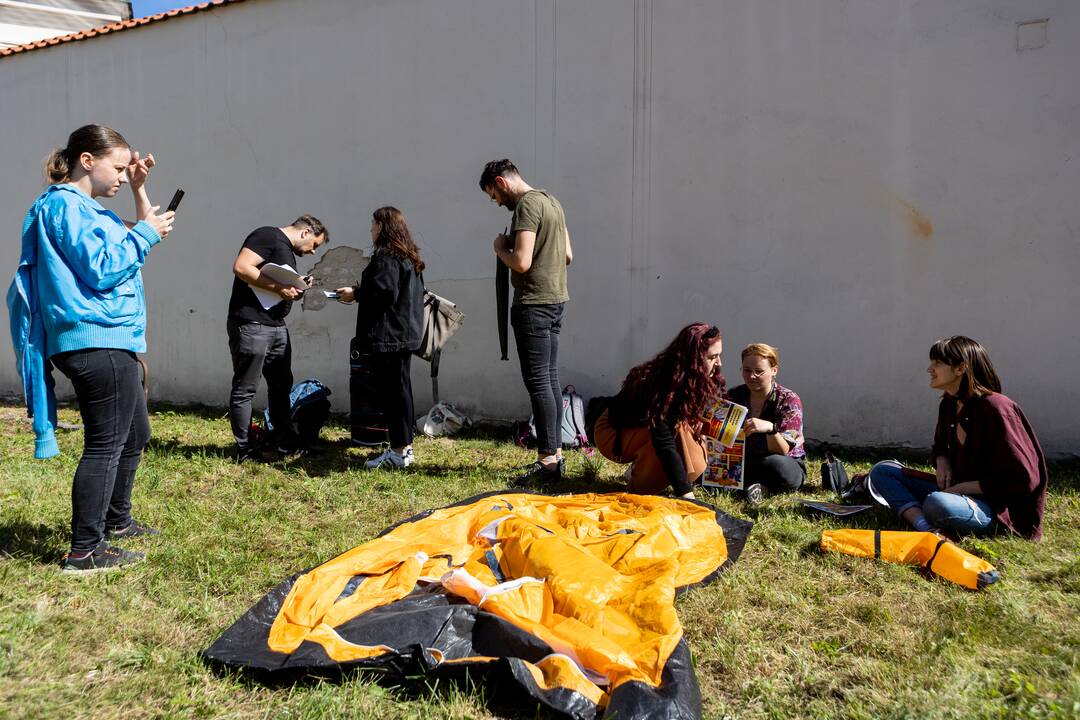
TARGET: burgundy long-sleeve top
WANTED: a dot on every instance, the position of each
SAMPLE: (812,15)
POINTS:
(1001,453)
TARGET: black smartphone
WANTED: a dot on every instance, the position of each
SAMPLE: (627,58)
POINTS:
(175,202)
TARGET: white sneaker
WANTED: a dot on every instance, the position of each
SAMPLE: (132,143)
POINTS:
(391,460)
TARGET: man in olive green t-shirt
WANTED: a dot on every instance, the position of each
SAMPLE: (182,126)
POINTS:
(537,251)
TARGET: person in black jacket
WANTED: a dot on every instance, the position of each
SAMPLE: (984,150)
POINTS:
(654,421)
(389,326)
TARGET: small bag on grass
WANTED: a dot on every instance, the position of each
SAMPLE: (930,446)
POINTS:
(442,419)
(834,476)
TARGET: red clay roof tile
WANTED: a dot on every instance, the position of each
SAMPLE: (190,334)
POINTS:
(114,27)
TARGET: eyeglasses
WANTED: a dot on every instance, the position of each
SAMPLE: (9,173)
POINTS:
(711,333)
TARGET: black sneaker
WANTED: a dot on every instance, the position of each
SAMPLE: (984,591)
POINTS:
(245,454)
(104,557)
(536,473)
(297,452)
(134,529)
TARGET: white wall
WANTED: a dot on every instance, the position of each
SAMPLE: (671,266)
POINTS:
(847,181)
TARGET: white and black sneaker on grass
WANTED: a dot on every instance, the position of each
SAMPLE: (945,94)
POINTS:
(104,557)
(391,460)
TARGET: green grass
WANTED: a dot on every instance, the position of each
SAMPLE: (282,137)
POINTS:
(787,632)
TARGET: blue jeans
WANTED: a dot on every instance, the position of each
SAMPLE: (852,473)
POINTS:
(536,331)
(948,511)
(108,384)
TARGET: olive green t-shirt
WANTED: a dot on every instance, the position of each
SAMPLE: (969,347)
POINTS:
(544,283)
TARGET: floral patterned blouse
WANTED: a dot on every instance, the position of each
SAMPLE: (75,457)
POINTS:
(783,408)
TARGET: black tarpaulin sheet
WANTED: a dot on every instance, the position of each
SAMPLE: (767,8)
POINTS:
(567,599)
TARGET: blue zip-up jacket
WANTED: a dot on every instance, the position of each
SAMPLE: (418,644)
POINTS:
(78,286)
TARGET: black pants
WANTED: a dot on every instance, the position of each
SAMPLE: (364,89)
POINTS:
(108,385)
(536,332)
(260,349)
(393,382)
(778,473)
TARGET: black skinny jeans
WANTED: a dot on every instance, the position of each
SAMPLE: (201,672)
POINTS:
(536,333)
(393,383)
(778,473)
(108,385)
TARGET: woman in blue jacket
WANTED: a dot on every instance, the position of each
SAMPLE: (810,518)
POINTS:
(77,304)
(389,326)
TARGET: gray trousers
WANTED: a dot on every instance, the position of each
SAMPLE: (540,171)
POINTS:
(260,350)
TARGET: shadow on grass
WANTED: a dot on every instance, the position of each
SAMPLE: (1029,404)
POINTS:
(34,542)
(331,456)
(406,681)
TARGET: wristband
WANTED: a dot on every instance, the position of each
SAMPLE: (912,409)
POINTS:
(775,430)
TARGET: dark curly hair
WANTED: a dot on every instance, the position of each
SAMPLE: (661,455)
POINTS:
(677,380)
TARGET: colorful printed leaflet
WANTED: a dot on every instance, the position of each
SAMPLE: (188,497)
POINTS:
(725,443)
(723,420)
(725,467)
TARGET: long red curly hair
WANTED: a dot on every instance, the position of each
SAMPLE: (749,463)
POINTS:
(677,380)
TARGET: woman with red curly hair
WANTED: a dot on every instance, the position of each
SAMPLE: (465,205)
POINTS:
(652,423)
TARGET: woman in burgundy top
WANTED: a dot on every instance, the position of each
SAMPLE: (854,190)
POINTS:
(990,468)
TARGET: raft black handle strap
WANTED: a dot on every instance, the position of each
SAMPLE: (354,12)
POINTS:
(877,544)
(493,565)
(930,562)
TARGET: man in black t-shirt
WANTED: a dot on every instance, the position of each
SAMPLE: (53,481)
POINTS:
(258,338)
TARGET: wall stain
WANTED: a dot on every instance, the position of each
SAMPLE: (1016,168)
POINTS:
(920,225)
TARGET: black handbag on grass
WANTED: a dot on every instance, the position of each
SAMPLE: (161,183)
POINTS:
(833,475)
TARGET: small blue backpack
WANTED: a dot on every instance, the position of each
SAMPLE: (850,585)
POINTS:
(309,410)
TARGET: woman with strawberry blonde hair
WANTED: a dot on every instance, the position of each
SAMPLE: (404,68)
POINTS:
(775,456)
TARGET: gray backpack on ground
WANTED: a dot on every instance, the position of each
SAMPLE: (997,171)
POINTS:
(572,420)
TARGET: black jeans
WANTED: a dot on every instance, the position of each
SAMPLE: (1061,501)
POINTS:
(393,382)
(108,385)
(778,473)
(536,332)
(260,349)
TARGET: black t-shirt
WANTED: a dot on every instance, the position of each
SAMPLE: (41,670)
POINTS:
(271,245)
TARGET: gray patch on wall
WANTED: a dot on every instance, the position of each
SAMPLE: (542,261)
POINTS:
(338,267)
(1031,35)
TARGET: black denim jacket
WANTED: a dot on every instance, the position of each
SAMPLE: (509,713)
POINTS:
(391,299)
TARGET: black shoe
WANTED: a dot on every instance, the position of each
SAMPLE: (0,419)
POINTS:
(244,454)
(104,557)
(134,529)
(536,472)
(297,452)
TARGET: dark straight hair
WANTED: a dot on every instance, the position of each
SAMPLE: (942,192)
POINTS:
(979,377)
(97,140)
